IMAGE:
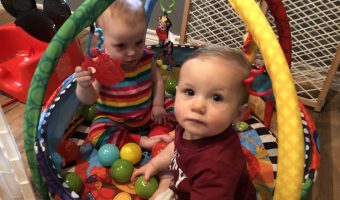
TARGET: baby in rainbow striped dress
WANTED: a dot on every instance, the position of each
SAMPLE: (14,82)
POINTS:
(135,109)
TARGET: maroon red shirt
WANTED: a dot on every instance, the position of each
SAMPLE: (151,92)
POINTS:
(210,168)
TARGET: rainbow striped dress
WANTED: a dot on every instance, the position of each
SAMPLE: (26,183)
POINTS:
(126,106)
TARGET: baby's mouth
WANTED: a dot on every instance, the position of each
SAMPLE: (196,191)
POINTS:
(195,121)
(130,62)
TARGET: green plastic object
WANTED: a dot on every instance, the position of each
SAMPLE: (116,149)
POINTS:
(170,86)
(84,16)
(89,112)
(242,126)
(171,6)
(73,181)
(121,170)
(146,190)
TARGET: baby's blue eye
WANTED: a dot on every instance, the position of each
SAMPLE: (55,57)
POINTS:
(189,92)
(217,97)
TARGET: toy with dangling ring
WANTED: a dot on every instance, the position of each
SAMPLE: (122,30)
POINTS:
(285,97)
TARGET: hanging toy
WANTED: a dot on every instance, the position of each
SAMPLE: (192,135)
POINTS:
(249,48)
(164,35)
(262,85)
(162,29)
(262,88)
(105,70)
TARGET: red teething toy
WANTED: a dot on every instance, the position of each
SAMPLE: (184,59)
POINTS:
(107,71)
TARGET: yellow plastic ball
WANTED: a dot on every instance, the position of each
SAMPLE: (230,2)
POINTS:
(131,152)
(159,62)
(164,67)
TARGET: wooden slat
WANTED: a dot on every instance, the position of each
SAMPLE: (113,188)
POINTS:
(185,20)
(329,78)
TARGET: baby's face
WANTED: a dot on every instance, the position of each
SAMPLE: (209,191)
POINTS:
(125,42)
(207,98)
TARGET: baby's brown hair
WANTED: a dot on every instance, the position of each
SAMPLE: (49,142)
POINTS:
(131,11)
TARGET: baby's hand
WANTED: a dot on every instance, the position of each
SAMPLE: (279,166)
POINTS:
(84,77)
(149,142)
(158,115)
(148,170)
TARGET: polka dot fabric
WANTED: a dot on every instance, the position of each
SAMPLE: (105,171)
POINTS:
(290,163)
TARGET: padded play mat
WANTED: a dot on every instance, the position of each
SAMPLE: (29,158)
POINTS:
(62,121)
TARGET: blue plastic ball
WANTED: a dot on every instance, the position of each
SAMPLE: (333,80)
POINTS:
(107,154)
(57,160)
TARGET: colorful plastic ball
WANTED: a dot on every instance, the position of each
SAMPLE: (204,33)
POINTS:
(242,126)
(131,152)
(159,62)
(157,148)
(146,190)
(57,161)
(68,150)
(73,181)
(107,154)
(86,149)
(164,67)
(89,112)
(121,170)
(170,86)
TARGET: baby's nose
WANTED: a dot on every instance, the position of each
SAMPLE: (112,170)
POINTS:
(199,105)
(131,52)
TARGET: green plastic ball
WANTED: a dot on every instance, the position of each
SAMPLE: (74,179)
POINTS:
(89,112)
(146,190)
(121,170)
(242,126)
(170,86)
(164,67)
(73,181)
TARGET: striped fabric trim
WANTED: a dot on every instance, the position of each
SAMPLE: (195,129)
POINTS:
(307,148)
(270,143)
(268,139)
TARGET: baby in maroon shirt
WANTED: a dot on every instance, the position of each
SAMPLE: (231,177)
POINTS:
(205,159)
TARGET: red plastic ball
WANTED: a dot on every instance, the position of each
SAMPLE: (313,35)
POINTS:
(157,148)
(68,150)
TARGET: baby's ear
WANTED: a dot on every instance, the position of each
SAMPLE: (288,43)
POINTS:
(242,112)
(243,109)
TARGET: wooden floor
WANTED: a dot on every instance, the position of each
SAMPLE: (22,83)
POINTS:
(327,122)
